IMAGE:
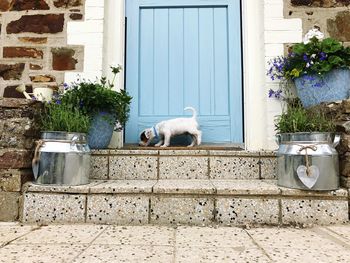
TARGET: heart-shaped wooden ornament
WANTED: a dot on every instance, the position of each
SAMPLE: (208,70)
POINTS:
(309,180)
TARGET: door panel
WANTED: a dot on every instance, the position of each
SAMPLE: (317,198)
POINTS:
(182,55)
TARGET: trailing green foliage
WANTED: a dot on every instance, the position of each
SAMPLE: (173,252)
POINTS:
(315,57)
(92,97)
(61,117)
(72,109)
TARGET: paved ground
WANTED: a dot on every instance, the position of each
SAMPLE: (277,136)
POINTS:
(96,243)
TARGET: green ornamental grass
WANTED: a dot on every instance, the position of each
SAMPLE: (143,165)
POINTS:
(298,119)
(60,117)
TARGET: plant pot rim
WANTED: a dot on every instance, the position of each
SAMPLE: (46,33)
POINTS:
(62,135)
(82,133)
(304,133)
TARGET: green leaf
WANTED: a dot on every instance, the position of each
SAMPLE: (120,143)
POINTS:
(330,45)
(335,60)
(299,48)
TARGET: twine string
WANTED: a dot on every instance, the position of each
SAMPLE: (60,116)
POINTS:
(312,147)
(36,158)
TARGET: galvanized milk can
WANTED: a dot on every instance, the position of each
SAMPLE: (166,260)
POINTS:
(62,158)
(308,161)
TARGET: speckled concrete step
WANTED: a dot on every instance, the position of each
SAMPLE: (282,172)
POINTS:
(183,201)
(182,164)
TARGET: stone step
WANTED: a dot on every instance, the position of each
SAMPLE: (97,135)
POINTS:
(182,164)
(183,201)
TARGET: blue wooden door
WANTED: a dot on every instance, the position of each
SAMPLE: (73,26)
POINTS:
(185,53)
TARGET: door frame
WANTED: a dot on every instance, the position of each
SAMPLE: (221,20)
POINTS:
(235,136)
(254,103)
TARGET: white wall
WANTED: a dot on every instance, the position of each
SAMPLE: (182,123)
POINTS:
(90,34)
(278,31)
(265,31)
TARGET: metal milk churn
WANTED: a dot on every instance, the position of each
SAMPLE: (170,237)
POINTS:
(308,161)
(62,158)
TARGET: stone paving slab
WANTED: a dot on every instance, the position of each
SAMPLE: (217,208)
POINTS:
(183,167)
(123,186)
(343,231)
(11,231)
(126,253)
(78,189)
(296,192)
(137,236)
(99,167)
(53,208)
(245,187)
(184,187)
(292,238)
(241,211)
(219,254)
(132,167)
(187,236)
(61,234)
(117,209)
(182,210)
(40,253)
(92,243)
(182,163)
(320,212)
(234,167)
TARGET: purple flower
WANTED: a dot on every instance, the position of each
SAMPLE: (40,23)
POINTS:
(323,56)
(277,68)
(278,94)
(305,58)
(58,102)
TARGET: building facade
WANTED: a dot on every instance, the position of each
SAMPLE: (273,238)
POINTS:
(216,54)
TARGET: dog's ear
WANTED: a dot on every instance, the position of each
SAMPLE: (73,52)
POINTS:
(143,137)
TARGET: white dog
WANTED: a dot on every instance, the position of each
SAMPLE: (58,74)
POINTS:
(166,129)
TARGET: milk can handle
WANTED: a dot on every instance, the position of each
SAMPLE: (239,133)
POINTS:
(336,140)
(75,138)
(278,139)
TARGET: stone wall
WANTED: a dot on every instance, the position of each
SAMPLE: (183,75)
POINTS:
(18,131)
(340,112)
(332,16)
(33,43)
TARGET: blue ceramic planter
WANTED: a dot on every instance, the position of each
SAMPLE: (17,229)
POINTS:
(101,130)
(314,89)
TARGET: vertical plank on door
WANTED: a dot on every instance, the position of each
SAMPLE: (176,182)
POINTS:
(191,57)
(146,81)
(176,61)
(206,60)
(161,61)
(221,86)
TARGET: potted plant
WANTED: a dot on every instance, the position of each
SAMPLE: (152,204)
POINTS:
(62,155)
(318,67)
(106,107)
(306,157)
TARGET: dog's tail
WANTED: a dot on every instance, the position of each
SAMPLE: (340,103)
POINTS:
(194,112)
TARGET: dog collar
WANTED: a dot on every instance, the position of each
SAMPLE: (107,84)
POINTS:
(155,132)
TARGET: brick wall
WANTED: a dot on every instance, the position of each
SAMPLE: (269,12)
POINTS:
(332,16)
(18,131)
(33,43)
